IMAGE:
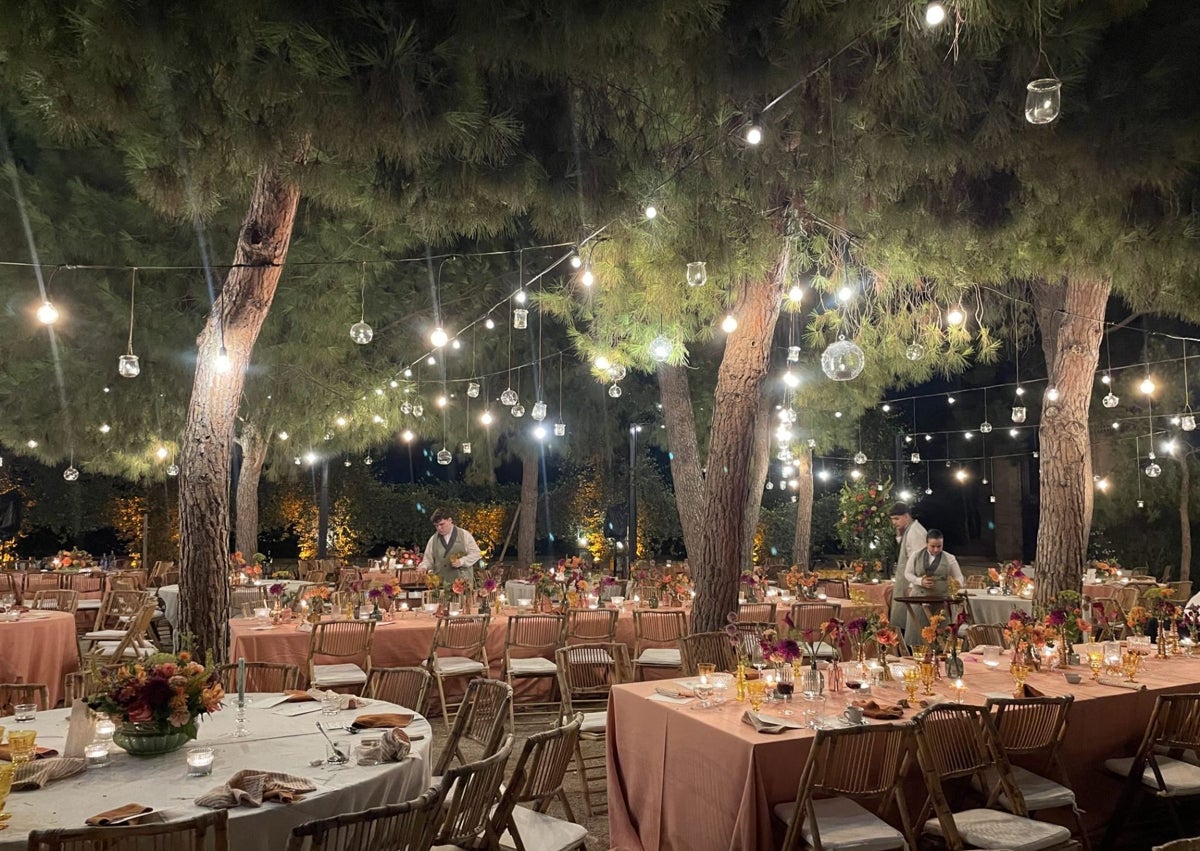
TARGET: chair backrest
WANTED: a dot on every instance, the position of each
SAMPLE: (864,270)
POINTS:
(589,671)
(35,582)
(407,687)
(316,575)
(169,577)
(834,587)
(262,677)
(62,600)
(135,642)
(1127,597)
(461,635)
(117,604)
(134,580)
(481,719)
(84,583)
(470,791)
(809,617)
(346,576)
(542,633)
(9,585)
(862,763)
(986,633)
(1173,729)
(538,775)
(78,685)
(409,826)
(588,626)
(206,832)
(1182,591)
(12,694)
(712,647)
(341,639)
(1030,724)
(255,597)
(976,581)
(658,626)
(756,612)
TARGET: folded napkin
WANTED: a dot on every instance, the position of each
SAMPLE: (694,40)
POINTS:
(760,725)
(978,649)
(674,691)
(35,775)
(40,753)
(396,745)
(382,719)
(117,814)
(1115,683)
(345,701)
(880,711)
(1031,691)
(252,788)
(920,703)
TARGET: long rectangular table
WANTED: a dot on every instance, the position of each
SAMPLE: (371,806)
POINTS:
(685,778)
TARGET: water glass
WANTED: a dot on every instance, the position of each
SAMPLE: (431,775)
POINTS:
(330,706)
(721,683)
(24,713)
(814,711)
(991,656)
(96,754)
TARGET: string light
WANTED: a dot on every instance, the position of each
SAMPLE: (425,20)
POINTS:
(935,14)
(407,436)
(729,324)
(586,278)
(795,294)
(651,211)
(47,314)
(955,316)
(161,453)
(519,297)
(1147,386)
(486,418)
(105,428)
(222,364)
(340,422)
(754,134)
(438,338)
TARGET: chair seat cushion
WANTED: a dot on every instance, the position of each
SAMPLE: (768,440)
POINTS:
(999,830)
(1040,793)
(106,634)
(667,657)
(347,673)
(456,666)
(542,832)
(536,667)
(845,824)
(1181,778)
(594,722)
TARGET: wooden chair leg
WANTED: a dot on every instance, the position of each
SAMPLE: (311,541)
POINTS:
(445,709)
(1083,837)
(581,767)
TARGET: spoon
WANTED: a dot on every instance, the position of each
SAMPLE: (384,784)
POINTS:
(339,757)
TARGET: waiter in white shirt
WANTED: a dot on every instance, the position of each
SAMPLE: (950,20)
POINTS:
(910,535)
(929,572)
(451,552)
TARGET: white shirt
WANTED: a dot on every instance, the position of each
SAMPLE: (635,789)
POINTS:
(914,578)
(468,541)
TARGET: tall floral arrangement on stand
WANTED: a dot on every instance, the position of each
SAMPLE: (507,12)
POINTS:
(863,526)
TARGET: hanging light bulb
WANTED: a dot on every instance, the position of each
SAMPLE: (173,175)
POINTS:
(661,348)
(985,427)
(71,474)
(950,400)
(1105,379)
(1043,99)
(222,364)
(697,273)
(283,435)
(489,323)
(340,422)
(602,363)
(407,372)
(860,458)
(843,360)
(1012,432)
(960,475)
(47,313)
(1109,400)
(587,278)
(791,379)
(519,296)
(935,14)
(614,390)
(361,333)
(161,453)
(378,420)
(1147,385)
(576,260)
(407,436)
(885,407)
(729,324)
(845,294)
(915,458)
(795,294)
(444,457)
(441,401)
(486,418)
(539,410)
(928,491)
(1051,394)
(651,211)
(438,337)
(754,134)
(955,317)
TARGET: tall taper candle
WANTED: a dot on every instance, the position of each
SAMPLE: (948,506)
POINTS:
(241,678)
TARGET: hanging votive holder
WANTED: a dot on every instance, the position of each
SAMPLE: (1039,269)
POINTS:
(473,389)
(520,318)
(1018,413)
(418,409)
(444,457)
(466,448)
(508,397)
(128,366)
(793,354)
(1043,99)
(985,427)
(915,458)
(560,429)
(539,411)
(697,274)
(518,410)
(1188,422)
(614,391)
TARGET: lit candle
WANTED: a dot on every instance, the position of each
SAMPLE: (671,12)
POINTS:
(404,607)
(501,599)
(96,754)
(704,679)
(821,595)
(105,729)
(200,761)
(241,679)
(959,689)
(636,598)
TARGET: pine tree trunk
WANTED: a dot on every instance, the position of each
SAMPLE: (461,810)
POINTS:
(731,445)
(680,418)
(802,544)
(1070,316)
(527,527)
(254,453)
(234,321)
(760,463)
(1185,520)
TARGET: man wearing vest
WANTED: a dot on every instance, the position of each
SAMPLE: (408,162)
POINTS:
(928,573)
(451,552)
(910,535)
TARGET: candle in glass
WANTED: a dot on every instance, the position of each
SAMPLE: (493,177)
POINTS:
(96,754)
(105,729)
(200,761)
(960,689)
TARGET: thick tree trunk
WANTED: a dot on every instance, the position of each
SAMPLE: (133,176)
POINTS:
(760,464)
(1070,316)
(688,481)
(802,544)
(1185,520)
(254,453)
(234,321)
(527,527)
(731,445)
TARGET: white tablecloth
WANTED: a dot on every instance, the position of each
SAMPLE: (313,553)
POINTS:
(995,608)
(277,743)
(517,589)
(169,594)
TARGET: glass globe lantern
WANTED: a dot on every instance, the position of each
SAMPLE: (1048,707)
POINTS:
(473,389)
(697,274)
(860,458)
(173,470)
(508,397)
(914,351)
(615,391)
(517,410)
(71,474)
(985,427)
(1018,413)
(418,409)
(1153,471)
(1187,422)
(843,360)
(660,349)
(444,457)
(1110,401)
(361,333)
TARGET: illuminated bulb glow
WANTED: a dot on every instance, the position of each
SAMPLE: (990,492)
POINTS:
(1012,432)
(1102,485)
(1147,386)
(340,422)
(32,444)
(955,316)
(486,418)
(729,324)
(441,401)
(651,211)
(935,14)
(1052,394)
(791,379)
(845,294)
(47,313)
(539,432)
(489,323)
(283,435)
(431,360)
(754,134)
(438,338)
(161,453)
(906,495)
(823,475)
(407,436)
(519,298)
(310,458)
(961,475)
(576,261)
(602,362)
(795,294)
(222,364)
(587,278)
(455,344)
(105,428)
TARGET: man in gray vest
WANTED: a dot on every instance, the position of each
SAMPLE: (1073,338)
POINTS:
(929,572)
(451,552)
(910,535)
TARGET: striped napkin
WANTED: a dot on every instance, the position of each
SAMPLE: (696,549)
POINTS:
(252,788)
(677,692)
(1115,683)
(35,775)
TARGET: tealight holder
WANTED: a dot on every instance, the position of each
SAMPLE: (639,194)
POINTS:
(96,754)
(199,762)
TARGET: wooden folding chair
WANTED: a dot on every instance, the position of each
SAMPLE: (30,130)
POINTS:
(127,580)
(481,719)
(205,832)
(588,626)
(316,576)
(12,694)
(1034,728)
(957,745)
(976,581)
(656,639)
(1108,620)
(536,781)
(118,645)
(839,588)
(470,792)
(711,647)
(59,600)
(79,685)
(340,640)
(756,612)
(846,769)
(459,650)
(529,644)
(409,826)
(347,576)
(809,618)
(252,597)
(261,677)
(35,582)
(9,585)
(986,633)
(407,687)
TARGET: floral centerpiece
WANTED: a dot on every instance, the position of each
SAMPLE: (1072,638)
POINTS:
(378,592)
(800,582)
(156,703)
(1009,577)
(1137,618)
(1066,616)
(487,586)
(1106,568)
(400,556)
(862,570)
(754,583)
(315,598)
(675,587)
(1028,637)
(241,570)
(863,524)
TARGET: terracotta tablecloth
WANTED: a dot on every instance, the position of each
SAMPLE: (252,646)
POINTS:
(683,778)
(39,648)
(875,592)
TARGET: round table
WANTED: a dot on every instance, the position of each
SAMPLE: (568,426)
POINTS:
(277,743)
(39,648)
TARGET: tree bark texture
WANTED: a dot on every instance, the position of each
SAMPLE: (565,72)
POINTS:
(1070,315)
(688,481)
(527,526)
(760,464)
(234,321)
(802,543)
(254,453)
(1185,521)
(731,445)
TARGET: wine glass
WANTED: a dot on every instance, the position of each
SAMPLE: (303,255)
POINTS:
(1019,673)
(757,659)
(1130,665)
(912,680)
(928,674)
(785,686)
(6,780)
(1095,657)
(755,692)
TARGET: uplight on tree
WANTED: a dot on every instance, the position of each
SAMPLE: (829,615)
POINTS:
(222,364)
(47,313)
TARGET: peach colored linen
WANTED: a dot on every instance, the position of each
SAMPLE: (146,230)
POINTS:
(39,648)
(665,760)
(876,592)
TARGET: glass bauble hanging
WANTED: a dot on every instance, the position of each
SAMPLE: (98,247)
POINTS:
(793,355)
(70,474)
(1152,469)
(361,333)
(915,351)
(508,397)
(128,366)
(1018,413)
(418,409)
(697,274)
(520,318)
(444,457)
(860,458)
(785,455)
(843,360)
(368,460)
(985,427)
(405,408)
(787,415)
(173,470)
(1043,99)
(466,448)
(660,349)
(473,389)
(560,429)
(770,486)
(518,410)
(617,372)
(1187,422)
(615,391)
(1110,401)
(539,411)
(915,458)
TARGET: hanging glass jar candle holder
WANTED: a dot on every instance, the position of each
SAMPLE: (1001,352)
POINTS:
(1018,413)
(418,409)
(843,360)
(985,427)
(1043,99)
(518,410)
(128,366)
(560,429)
(1110,401)
(444,457)
(473,389)
(1188,422)
(520,318)
(539,411)
(615,391)
(508,397)
(793,355)
(915,458)
(466,448)
(697,274)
